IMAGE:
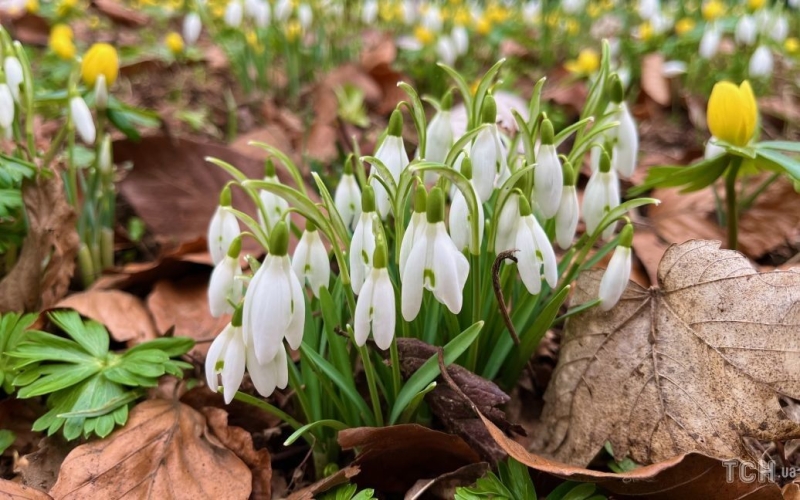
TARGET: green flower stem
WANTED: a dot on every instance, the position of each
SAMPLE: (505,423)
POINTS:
(397,380)
(273,410)
(732,218)
(477,309)
(374,397)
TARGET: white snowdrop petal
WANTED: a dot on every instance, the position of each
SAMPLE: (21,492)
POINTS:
(263,375)
(82,118)
(412,278)
(484,163)
(528,264)
(548,179)
(384,317)
(297,309)
(567,217)
(233,370)
(215,354)
(615,279)
(445,255)
(364,310)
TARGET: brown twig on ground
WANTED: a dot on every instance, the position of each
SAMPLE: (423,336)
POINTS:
(498,291)
(451,383)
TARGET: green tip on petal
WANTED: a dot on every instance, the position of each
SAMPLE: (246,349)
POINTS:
(235,248)
(489,111)
(615,88)
(626,236)
(524,206)
(447,101)
(269,168)
(548,134)
(435,209)
(466,168)
(605,162)
(310,226)
(236,320)
(225,197)
(420,199)
(396,123)
(348,165)
(569,174)
(368,199)
(279,239)
(379,257)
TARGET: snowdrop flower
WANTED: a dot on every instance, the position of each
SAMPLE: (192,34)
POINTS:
(369,12)
(362,246)
(7,110)
(416,227)
(392,153)
(267,376)
(223,229)
(14,75)
(535,251)
(671,69)
(274,305)
(440,132)
(779,28)
(81,117)
(434,263)
(572,6)
(305,15)
(488,158)
(225,287)
(710,41)
(712,150)
(347,197)
(282,10)
(226,360)
(506,223)
(446,50)
(761,63)
(192,26)
(460,39)
(568,210)
(616,277)
(626,147)
(461,217)
(101,93)
(548,178)
(233,14)
(745,33)
(649,8)
(375,309)
(104,161)
(275,207)
(310,261)
(601,196)
(261,14)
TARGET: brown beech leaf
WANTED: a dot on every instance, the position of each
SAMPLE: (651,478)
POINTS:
(409,451)
(653,82)
(342,476)
(685,476)
(120,14)
(165,451)
(124,314)
(10,490)
(692,365)
(445,485)
(40,468)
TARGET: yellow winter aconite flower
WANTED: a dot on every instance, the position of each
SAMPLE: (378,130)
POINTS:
(645,31)
(755,4)
(588,62)
(684,26)
(61,41)
(174,42)
(32,6)
(712,9)
(100,59)
(732,113)
(792,45)
(424,35)
(293,30)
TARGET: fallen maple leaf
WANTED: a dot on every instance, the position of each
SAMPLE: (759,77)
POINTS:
(165,451)
(692,365)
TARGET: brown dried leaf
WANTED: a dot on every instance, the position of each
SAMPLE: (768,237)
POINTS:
(123,314)
(165,451)
(693,365)
(409,451)
(120,14)
(51,238)
(40,468)
(685,476)
(445,485)
(342,476)
(10,490)
(653,82)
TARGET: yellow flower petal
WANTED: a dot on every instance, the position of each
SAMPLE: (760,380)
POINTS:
(100,59)
(732,113)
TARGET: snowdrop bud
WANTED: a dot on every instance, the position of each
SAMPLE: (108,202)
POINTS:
(347,197)
(547,176)
(626,149)
(362,245)
(616,277)
(14,75)
(233,14)
(274,206)
(369,12)
(305,15)
(375,309)
(601,196)
(535,251)
(506,222)
(779,29)
(224,287)
(649,8)
(226,360)
(617,93)
(392,153)
(262,14)
(446,50)
(101,93)
(761,63)
(223,229)
(710,41)
(283,8)
(81,117)
(568,210)
(460,39)
(415,227)
(310,261)
(460,216)
(440,133)
(7,109)
(487,152)
(712,150)
(192,26)
(745,33)
(104,161)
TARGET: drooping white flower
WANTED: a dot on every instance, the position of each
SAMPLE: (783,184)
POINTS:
(572,6)
(649,8)
(439,137)
(460,39)
(779,28)
(81,117)
(392,153)
(305,15)
(548,178)
(568,210)
(262,14)
(375,309)
(347,197)
(432,18)
(282,10)
(310,261)
(267,376)
(446,50)
(434,263)
(746,30)
(7,109)
(712,149)
(671,69)
(416,226)
(535,251)
(274,306)
(192,26)
(616,277)
(224,288)
(226,360)
(369,12)
(14,75)
(223,229)
(461,217)
(104,160)
(362,245)
(761,63)
(233,14)
(709,43)
(506,223)
(487,153)
(601,196)
(626,148)
(275,207)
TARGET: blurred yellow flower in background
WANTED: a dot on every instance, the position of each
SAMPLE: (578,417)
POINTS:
(712,9)
(684,26)
(61,43)
(174,42)
(587,62)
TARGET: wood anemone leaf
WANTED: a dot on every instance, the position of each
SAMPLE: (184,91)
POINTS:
(165,451)
(692,365)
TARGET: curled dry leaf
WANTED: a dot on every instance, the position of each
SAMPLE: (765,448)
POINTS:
(409,451)
(692,365)
(10,490)
(165,451)
(342,476)
(51,238)
(123,314)
(445,485)
(40,468)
